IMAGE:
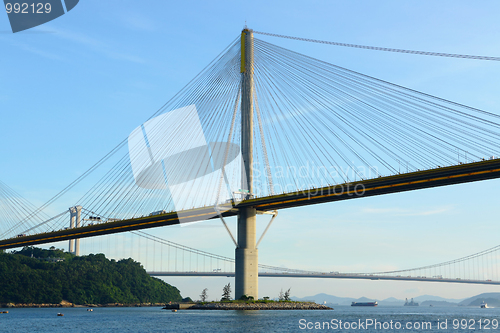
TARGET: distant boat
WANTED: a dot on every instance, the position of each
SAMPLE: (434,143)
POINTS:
(411,303)
(364,304)
(90,309)
(484,305)
(60,314)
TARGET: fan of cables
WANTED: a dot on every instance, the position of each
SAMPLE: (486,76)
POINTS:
(315,124)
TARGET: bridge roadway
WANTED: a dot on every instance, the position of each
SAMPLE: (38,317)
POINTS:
(462,173)
(331,276)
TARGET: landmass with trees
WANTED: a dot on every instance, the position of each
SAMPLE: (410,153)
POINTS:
(39,276)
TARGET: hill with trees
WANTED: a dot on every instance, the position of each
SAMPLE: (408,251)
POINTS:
(38,276)
(492,299)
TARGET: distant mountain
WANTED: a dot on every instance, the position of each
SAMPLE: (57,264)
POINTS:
(424,300)
(364,299)
(438,303)
(391,301)
(493,300)
(329,299)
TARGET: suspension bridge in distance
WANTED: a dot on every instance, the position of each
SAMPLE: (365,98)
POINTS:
(331,276)
(305,110)
(479,268)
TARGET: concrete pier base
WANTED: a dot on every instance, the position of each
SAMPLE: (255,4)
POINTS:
(247,256)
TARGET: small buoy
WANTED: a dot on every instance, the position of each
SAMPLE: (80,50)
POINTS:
(60,314)
(174,310)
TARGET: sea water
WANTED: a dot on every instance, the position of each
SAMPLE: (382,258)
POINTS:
(343,318)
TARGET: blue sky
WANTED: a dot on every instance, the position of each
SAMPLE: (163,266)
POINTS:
(72,89)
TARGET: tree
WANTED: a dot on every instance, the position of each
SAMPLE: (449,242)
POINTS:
(281,296)
(246,298)
(204,295)
(226,292)
(286,296)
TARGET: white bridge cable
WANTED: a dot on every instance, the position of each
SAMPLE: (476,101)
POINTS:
(14,210)
(310,86)
(446,263)
(112,174)
(318,124)
(377,48)
(47,221)
(270,268)
(312,112)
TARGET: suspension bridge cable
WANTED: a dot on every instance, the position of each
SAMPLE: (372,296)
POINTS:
(438,54)
(317,124)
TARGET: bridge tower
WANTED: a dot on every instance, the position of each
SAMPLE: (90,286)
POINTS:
(75,214)
(247,256)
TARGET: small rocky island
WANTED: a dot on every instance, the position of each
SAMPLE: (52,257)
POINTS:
(248,305)
(244,303)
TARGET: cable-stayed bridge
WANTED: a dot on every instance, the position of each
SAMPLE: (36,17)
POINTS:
(263,128)
(469,172)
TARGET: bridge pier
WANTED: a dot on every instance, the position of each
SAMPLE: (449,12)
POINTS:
(75,214)
(247,257)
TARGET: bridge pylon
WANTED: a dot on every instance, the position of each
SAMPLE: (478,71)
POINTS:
(75,214)
(247,255)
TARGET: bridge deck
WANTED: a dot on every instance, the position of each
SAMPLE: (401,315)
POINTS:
(457,174)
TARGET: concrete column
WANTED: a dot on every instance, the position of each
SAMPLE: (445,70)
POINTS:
(72,217)
(247,255)
(247,258)
(75,220)
(78,223)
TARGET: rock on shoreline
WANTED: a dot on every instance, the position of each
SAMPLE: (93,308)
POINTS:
(71,305)
(248,306)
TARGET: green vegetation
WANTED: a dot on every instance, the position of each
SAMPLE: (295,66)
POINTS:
(226,293)
(91,279)
(250,301)
(204,295)
(284,296)
(246,298)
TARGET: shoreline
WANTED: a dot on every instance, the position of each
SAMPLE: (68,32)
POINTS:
(71,305)
(247,306)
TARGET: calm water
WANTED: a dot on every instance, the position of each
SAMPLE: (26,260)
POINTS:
(157,320)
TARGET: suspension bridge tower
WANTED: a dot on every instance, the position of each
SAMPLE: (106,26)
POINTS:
(75,214)
(247,256)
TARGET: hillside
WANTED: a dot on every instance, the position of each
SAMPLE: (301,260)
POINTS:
(38,276)
(438,303)
(492,299)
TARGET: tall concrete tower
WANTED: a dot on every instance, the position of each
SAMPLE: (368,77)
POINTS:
(247,256)
(75,214)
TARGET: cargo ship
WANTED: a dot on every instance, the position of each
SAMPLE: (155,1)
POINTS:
(364,304)
(411,303)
